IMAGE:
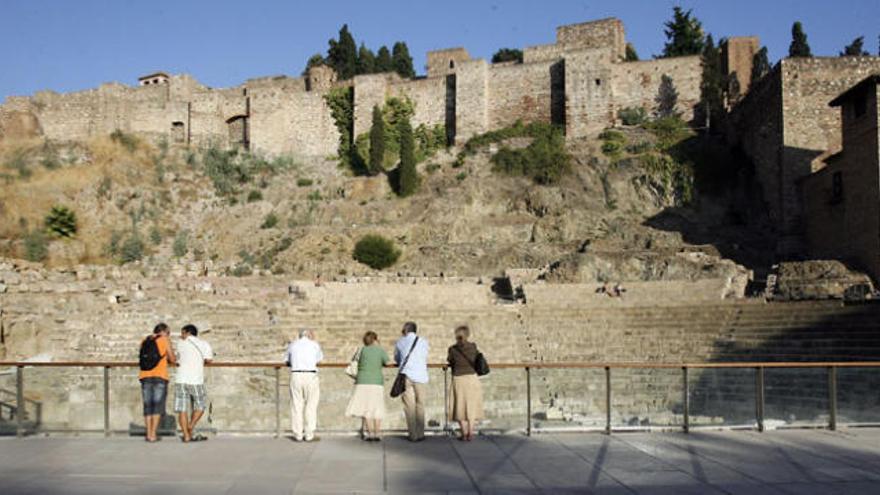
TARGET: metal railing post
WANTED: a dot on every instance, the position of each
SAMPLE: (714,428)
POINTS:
(106,401)
(446,407)
(759,397)
(528,401)
(685,400)
(19,401)
(607,400)
(832,397)
(277,402)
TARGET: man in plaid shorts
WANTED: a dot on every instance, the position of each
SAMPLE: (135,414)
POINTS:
(189,387)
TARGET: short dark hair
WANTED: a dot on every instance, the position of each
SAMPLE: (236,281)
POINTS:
(161,327)
(191,329)
(370,337)
(409,327)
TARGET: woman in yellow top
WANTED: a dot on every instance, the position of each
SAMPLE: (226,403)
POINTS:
(154,381)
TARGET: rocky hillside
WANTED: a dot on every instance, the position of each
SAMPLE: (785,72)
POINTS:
(627,197)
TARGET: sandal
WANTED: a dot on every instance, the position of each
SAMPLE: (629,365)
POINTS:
(199,438)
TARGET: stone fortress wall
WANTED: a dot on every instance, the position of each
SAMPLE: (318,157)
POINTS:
(101,313)
(580,81)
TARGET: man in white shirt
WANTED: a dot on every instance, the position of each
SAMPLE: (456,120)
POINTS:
(189,386)
(303,356)
(416,371)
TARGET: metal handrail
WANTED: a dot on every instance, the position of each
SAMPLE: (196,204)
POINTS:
(757,366)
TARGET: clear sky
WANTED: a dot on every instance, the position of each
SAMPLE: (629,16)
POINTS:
(67,45)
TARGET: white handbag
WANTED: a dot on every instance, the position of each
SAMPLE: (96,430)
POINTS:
(352,368)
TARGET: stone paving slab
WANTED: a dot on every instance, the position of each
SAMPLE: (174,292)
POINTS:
(777,462)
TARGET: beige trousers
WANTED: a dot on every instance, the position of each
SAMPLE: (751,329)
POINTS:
(414,409)
(304,394)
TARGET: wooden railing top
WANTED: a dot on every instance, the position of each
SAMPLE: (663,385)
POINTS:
(561,365)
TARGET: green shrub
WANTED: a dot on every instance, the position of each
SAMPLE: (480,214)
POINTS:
(50,160)
(376,252)
(127,141)
(179,247)
(61,221)
(341,103)
(314,196)
(432,167)
(668,177)
(254,195)
(632,115)
(270,221)
(132,249)
(612,148)
(242,270)
(669,131)
(231,169)
(36,246)
(19,163)
(640,147)
(304,182)
(461,176)
(155,235)
(544,160)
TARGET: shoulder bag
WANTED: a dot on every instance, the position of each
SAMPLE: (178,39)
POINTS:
(479,364)
(352,368)
(400,382)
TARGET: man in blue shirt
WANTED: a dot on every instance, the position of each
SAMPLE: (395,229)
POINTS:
(416,371)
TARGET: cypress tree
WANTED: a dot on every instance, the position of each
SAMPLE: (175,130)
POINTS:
(667,98)
(377,142)
(684,34)
(711,83)
(342,55)
(760,65)
(407,177)
(799,46)
(402,62)
(314,61)
(855,49)
(366,61)
(383,60)
(631,54)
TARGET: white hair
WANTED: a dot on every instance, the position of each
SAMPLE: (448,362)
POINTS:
(304,332)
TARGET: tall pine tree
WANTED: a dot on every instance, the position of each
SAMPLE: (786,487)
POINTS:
(760,65)
(401,61)
(366,61)
(383,60)
(855,49)
(377,142)
(684,34)
(667,98)
(799,46)
(407,176)
(342,55)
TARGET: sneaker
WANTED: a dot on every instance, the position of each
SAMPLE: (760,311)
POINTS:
(313,439)
(296,439)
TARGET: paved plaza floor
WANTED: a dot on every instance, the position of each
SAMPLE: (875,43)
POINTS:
(779,462)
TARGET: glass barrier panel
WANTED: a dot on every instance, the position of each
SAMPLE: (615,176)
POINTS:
(8,401)
(504,400)
(240,400)
(795,397)
(568,398)
(645,397)
(722,397)
(59,400)
(857,399)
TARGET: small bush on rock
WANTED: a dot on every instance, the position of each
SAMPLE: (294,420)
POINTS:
(376,252)
(61,221)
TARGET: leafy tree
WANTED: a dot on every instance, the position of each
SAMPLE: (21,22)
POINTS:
(366,61)
(631,54)
(401,61)
(855,49)
(377,142)
(799,46)
(342,55)
(61,221)
(684,34)
(760,65)
(383,60)
(711,83)
(375,251)
(667,98)
(407,177)
(314,61)
(508,55)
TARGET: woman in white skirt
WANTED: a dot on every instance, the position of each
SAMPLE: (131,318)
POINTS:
(368,400)
(467,394)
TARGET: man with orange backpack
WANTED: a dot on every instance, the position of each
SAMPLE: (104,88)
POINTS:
(155,356)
